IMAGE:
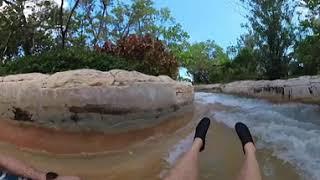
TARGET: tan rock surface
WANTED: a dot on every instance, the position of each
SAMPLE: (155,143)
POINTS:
(91,99)
(303,89)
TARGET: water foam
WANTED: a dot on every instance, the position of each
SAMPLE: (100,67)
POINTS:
(181,147)
(291,131)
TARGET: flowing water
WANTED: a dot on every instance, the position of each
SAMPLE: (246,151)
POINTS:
(290,131)
(287,137)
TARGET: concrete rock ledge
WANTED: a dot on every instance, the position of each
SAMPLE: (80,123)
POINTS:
(304,89)
(90,99)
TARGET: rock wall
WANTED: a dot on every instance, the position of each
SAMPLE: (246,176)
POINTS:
(303,89)
(90,99)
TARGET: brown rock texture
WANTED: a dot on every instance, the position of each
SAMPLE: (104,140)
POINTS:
(90,99)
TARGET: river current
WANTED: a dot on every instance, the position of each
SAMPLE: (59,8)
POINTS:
(291,131)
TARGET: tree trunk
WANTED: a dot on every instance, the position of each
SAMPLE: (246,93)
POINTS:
(102,22)
(68,22)
(61,25)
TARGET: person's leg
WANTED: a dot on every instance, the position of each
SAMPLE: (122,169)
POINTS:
(20,168)
(250,169)
(187,167)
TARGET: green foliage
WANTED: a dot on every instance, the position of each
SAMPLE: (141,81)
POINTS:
(307,49)
(85,23)
(151,54)
(311,20)
(271,49)
(197,58)
(25,33)
(271,24)
(109,20)
(27,38)
(63,60)
(308,53)
(245,65)
(206,62)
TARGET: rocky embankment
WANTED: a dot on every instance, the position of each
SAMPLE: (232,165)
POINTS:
(90,99)
(304,89)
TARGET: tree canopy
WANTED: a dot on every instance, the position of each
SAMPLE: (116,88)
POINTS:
(280,41)
(31,26)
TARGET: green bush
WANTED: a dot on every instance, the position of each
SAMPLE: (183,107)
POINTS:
(63,60)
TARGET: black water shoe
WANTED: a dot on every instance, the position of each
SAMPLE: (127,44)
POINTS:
(243,133)
(201,131)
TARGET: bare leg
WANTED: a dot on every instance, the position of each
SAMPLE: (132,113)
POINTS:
(187,167)
(250,169)
(19,168)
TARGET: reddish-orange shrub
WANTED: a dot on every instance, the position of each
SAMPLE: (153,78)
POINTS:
(151,55)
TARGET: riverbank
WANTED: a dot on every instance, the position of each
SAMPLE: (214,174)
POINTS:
(305,89)
(62,142)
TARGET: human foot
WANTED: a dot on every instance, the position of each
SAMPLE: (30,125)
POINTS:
(244,135)
(51,176)
(201,131)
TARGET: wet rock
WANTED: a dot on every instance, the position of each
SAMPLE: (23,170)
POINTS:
(21,115)
(303,89)
(89,98)
(210,88)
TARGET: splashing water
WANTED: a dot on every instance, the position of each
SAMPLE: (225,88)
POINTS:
(291,131)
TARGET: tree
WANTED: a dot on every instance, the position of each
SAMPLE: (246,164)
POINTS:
(141,17)
(135,18)
(244,54)
(245,65)
(64,27)
(92,21)
(271,23)
(97,21)
(87,24)
(206,62)
(307,50)
(196,58)
(24,28)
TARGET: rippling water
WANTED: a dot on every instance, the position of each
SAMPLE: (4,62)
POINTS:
(291,131)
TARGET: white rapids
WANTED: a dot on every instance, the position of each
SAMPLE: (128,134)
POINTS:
(291,130)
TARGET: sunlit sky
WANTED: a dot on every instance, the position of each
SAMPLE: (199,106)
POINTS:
(218,20)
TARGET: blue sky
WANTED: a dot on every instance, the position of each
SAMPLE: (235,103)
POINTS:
(218,20)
